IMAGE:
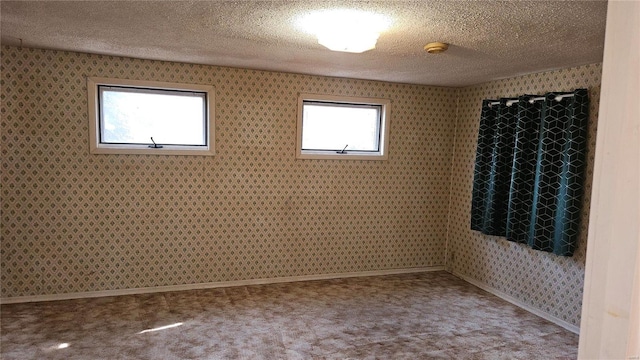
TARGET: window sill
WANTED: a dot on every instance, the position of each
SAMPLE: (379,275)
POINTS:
(332,155)
(145,150)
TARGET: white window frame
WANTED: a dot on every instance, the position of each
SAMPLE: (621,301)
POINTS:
(96,147)
(382,154)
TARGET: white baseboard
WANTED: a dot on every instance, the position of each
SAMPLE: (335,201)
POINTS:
(574,329)
(210,285)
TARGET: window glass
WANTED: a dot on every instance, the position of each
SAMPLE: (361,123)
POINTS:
(331,126)
(133,116)
(340,127)
(148,117)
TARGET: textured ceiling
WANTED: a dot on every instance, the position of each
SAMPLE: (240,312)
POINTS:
(489,39)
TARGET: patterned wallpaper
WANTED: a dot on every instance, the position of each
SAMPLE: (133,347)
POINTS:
(544,281)
(74,222)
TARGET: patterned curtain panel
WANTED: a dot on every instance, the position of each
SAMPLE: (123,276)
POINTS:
(494,160)
(529,170)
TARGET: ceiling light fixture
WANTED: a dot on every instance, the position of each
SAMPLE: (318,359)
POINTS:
(436,47)
(345,30)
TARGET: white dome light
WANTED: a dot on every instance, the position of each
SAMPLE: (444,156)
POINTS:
(345,30)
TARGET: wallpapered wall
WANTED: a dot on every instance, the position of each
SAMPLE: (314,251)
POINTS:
(75,222)
(544,281)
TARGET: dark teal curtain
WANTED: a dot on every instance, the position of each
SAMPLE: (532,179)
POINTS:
(529,171)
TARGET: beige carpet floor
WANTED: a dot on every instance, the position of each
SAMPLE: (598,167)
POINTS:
(430,315)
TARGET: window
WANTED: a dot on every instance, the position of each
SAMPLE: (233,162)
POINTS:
(333,127)
(147,117)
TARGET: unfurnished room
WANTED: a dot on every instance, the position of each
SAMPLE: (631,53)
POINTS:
(320,180)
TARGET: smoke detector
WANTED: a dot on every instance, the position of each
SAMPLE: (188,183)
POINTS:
(436,47)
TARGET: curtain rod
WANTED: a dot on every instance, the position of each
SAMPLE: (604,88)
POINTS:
(511,102)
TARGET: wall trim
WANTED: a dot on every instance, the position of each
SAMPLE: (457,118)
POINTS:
(211,285)
(574,329)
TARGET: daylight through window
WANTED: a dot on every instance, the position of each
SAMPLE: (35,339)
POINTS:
(150,117)
(342,127)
